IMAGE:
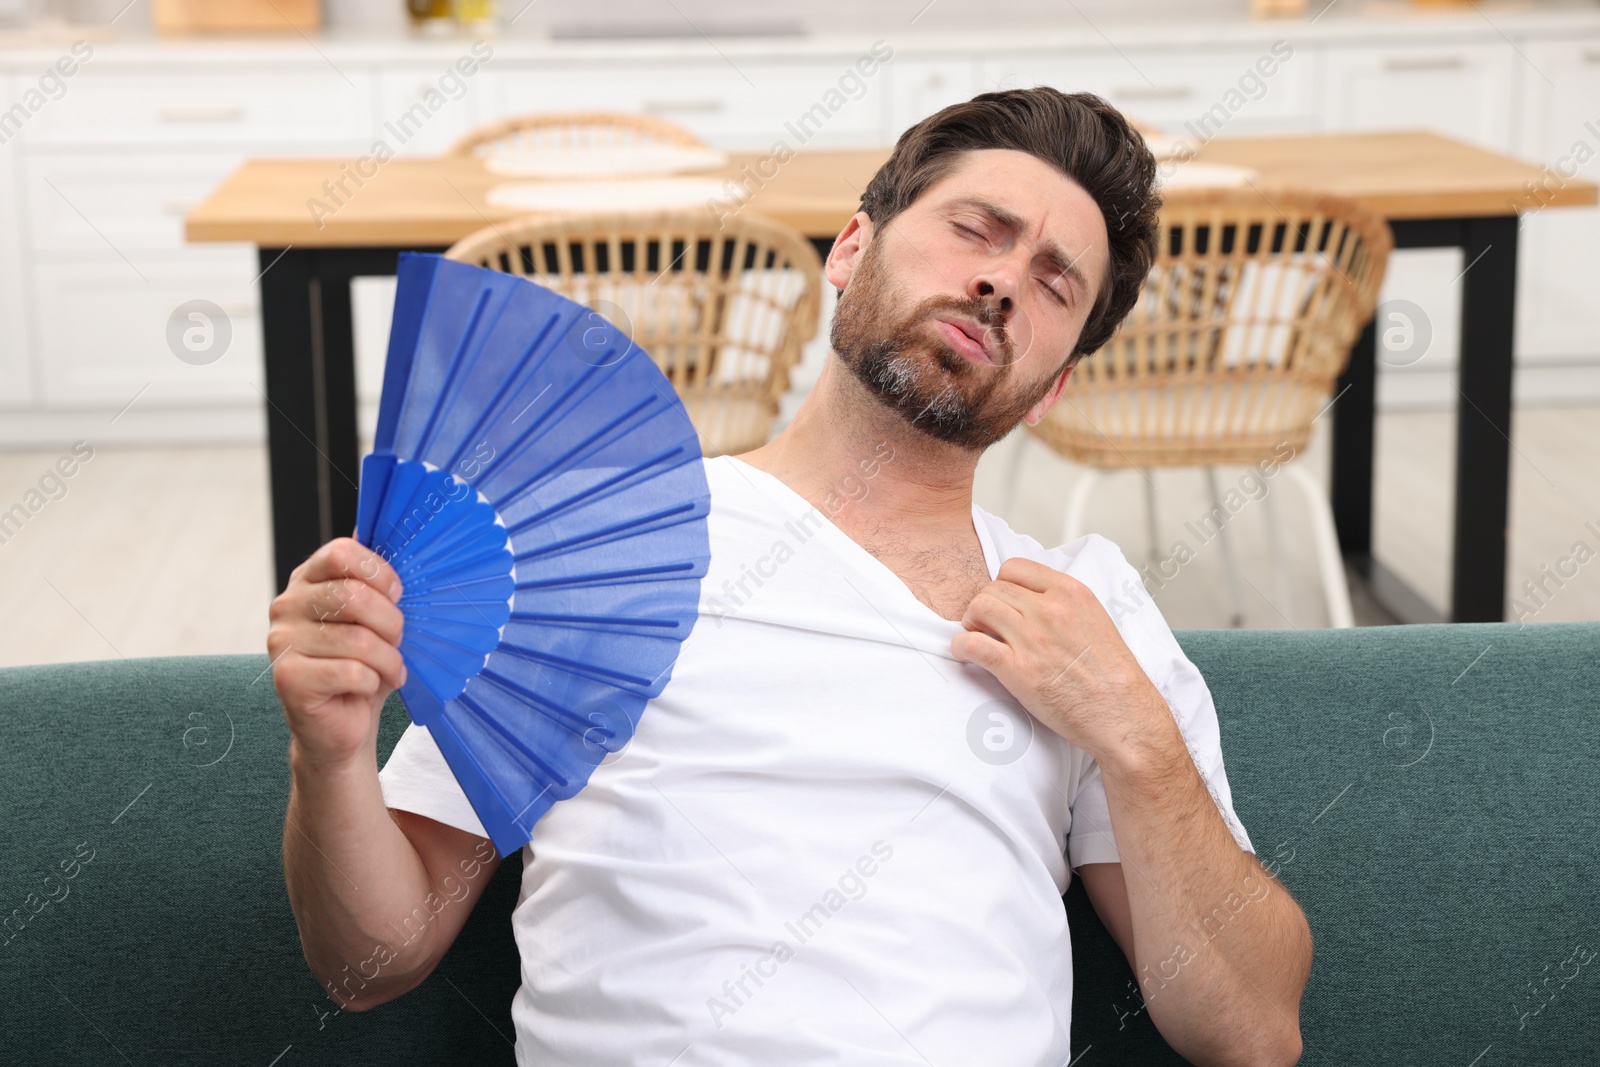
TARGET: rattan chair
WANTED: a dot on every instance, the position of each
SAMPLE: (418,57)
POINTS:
(573,129)
(723,308)
(1231,354)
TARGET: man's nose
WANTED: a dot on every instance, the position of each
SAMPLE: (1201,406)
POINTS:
(997,299)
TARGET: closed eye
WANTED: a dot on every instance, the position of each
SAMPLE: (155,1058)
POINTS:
(1053,291)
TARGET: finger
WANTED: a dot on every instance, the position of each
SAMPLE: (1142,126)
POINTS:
(316,680)
(343,641)
(970,646)
(1018,596)
(353,601)
(345,557)
(1028,573)
(994,616)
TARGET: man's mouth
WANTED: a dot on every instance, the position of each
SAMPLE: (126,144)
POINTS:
(966,337)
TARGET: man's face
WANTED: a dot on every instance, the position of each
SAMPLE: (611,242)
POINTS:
(960,314)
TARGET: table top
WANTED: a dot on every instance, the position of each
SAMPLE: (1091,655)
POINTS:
(412,202)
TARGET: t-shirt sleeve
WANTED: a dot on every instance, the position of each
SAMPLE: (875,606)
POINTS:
(416,778)
(1122,592)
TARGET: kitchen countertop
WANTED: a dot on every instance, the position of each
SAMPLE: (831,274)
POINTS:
(1345,21)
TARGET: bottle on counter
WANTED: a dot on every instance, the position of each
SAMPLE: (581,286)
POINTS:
(476,13)
(432,15)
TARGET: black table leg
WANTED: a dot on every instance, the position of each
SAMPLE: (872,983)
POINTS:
(298,473)
(1483,420)
(1354,422)
(309,348)
(1482,487)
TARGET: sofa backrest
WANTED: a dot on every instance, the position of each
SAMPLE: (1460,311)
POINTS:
(1426,793)
(148,796)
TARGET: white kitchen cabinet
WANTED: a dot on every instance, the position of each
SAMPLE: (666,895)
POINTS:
(407,123)
(744,105)
(16,378)
(1558,280)
(102,330)
(1461,90)
(1194,93)
(919,87)
(108,170)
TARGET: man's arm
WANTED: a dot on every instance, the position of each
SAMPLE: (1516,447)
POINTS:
(1221,951)
(378,897)
(379,894)
(1106,890)
(1168,976)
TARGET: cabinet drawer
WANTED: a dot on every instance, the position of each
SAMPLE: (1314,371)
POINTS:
(1236,90)
(131,203)
(102,330)
(815,103)
(1459,90)
(260,106)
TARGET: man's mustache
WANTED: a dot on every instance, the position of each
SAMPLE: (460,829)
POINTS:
(991,318)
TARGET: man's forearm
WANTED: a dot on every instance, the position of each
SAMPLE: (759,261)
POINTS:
(354,881)
(1222,950)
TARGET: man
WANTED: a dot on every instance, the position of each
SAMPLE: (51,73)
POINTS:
(843,830)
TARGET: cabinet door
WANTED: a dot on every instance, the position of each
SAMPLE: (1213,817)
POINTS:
(16,379)
(1558,277)
(1199,93)
(106,332)
(919,87)
(1459,90)
(407,123)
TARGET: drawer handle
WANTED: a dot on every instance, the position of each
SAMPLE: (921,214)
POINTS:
(659,107)
(1591,57)
(1154,92)
(1424,63)
(201,113)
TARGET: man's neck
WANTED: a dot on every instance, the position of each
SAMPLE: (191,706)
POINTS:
(837,443)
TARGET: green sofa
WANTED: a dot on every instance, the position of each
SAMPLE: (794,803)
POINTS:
(1427,793)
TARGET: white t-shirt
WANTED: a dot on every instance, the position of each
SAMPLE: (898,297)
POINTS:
(828,840)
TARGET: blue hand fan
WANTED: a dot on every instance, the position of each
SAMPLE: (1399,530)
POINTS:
(538,487)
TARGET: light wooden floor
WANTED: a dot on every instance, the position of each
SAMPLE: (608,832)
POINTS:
(165,551)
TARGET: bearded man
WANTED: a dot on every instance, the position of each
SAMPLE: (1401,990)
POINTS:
(843,830)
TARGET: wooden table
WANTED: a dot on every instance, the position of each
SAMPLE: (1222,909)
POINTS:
(1435,192)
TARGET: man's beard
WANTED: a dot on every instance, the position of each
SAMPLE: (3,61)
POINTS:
(931,386)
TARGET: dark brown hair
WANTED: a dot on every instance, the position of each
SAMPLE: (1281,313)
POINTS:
(1080,135)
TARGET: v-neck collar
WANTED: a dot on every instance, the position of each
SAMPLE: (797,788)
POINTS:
(866,564)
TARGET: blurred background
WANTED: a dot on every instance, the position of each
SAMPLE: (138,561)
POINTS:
(159,541)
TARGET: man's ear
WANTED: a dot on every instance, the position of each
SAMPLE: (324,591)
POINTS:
(1049,399)
(847,248)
